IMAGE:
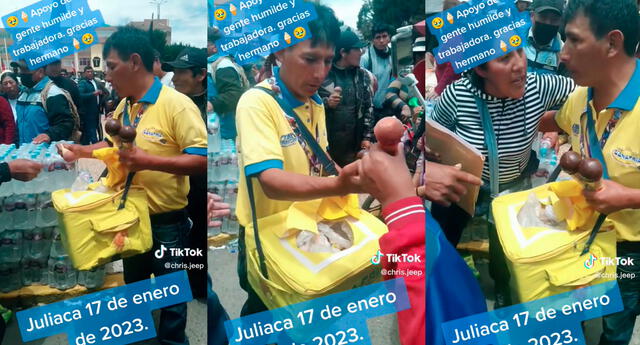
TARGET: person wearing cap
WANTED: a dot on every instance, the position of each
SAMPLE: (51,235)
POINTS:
(377,59)
(170,145)
(544,41)
(227,83)
(90,92)
(189,72)
(158,70)
(602,36)
(34,123)
(347,99)
(523,5)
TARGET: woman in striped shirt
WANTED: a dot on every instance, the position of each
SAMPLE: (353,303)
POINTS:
(516,102)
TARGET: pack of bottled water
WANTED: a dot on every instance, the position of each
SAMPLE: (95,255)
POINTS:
(223,174)
(31,251)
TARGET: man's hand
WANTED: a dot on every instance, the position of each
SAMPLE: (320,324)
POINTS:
(97,92)
(42,138)
(135,159)
(445,184)
(69,152)
(335,98)
(612,197)
(385,177)
(553,139)
(348,178)
(216,209)
(24,170)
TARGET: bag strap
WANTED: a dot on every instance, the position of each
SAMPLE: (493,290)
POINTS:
(315,147)
(492,146)
(302,130)
(44,94)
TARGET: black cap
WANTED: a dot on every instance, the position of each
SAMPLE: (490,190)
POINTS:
(545,5)
(188,58)
(349,40)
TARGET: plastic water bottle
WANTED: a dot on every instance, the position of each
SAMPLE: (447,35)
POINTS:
(231,223)
(82,182)
(46,215)
(11,246)
(93,278)
(213,129)
(11,277)
(233,165)
(548,163)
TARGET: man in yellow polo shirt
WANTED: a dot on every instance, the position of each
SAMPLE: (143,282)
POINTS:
(267,146)
(170,144)
(602,36)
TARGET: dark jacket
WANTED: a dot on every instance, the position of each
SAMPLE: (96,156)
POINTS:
(70,86)
(56,121)
(88,101)
(352,120)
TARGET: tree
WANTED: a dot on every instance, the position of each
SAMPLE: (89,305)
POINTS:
(365,20)
(393,12)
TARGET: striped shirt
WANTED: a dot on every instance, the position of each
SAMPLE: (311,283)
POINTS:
(515,121)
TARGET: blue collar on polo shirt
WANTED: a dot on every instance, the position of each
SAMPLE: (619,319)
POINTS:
(153,93)
(628,98)
(287,95)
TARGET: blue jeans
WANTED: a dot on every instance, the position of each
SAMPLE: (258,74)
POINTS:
(618,327)
(216,334)
(173,319)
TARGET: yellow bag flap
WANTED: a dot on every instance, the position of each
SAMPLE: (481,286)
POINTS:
(533,243)
(580,272)
(116,172)
(65,200)
(121,220)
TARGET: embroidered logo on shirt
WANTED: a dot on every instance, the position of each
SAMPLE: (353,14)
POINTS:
(288,140)
(626,157)
(154,135)
(575,129)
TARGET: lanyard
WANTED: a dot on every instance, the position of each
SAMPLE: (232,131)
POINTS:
(589,139)
(126,118)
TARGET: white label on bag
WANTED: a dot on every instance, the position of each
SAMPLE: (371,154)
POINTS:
(315,268)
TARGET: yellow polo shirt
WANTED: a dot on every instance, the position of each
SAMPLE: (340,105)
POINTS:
(266,140)
(621,151)
(170,126)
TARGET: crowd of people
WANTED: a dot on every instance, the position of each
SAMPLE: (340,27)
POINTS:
(168,158)
(579,62)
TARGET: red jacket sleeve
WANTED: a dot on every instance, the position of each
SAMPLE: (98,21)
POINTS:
(7,123)
(406,221)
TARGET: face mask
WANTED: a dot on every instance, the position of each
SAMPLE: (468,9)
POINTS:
(27,80)
(544,33)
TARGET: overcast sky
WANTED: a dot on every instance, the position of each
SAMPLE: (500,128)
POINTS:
(347,11)
(187,18)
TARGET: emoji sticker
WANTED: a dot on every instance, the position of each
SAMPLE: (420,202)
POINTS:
(12,21)
(233,9)
(76,44)
(503,46)
(299,32)
(437,23)
(515,40)
(25,17)
(87,38)
(287,38)
(449,18)
(220,14)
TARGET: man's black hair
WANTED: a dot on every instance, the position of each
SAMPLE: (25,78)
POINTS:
(608,15)
(380,28)
(127,41)
(87,67)
(213,34)
(325,29)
